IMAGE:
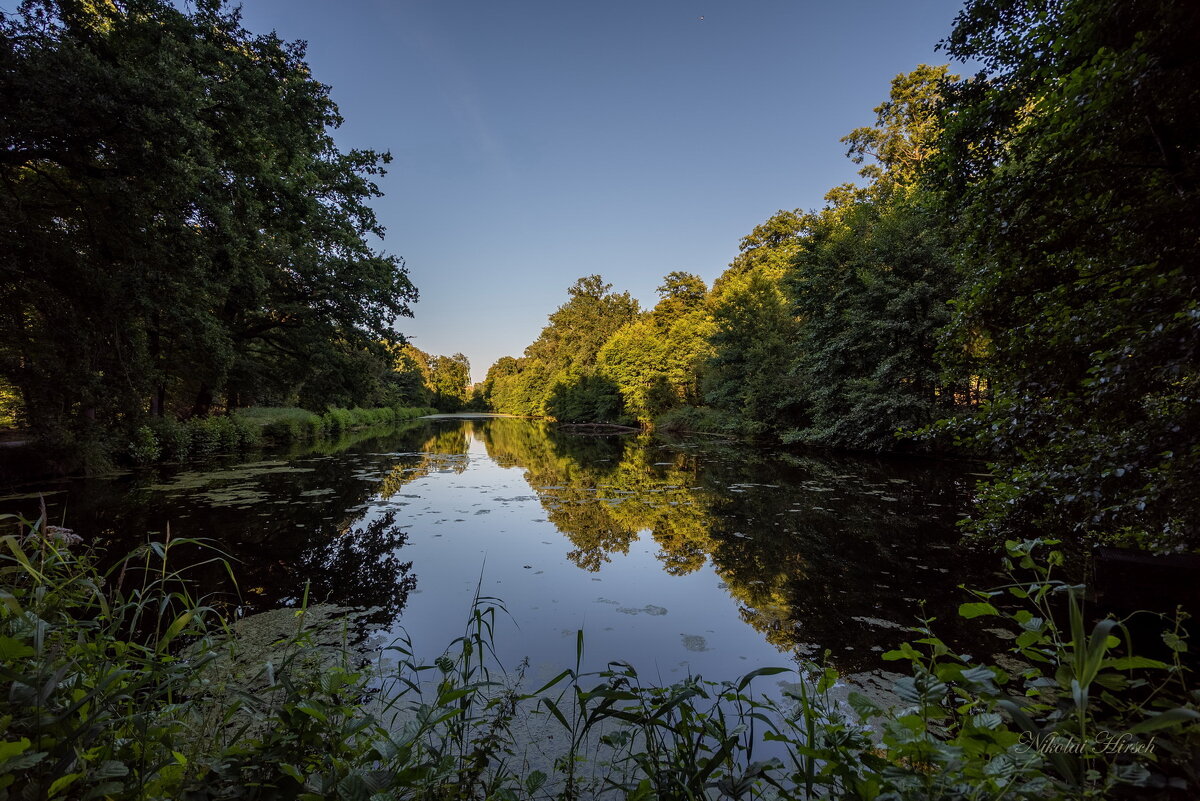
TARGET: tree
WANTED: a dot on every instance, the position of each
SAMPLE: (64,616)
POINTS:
(409,382)
(907,126)
(753,343)
(871,286)
(1071,165)
(564,355)
(580,327)
(768,249)
(655,360)
(178,223)
(871,281)
(449,377)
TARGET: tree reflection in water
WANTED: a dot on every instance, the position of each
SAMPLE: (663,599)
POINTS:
(360,568)
(813,550)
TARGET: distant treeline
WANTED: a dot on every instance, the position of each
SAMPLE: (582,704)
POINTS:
(1016,279)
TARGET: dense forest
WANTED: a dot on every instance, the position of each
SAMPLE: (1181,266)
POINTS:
(1015,279)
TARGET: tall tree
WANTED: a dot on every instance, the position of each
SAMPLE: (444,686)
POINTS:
(449,377)
(871,287)
(746,375)
(1072,164)
(871,283)
(655,361)
(178,223)
(559,366)
(753,342)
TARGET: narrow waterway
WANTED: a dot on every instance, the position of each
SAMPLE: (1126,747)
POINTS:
(678,556)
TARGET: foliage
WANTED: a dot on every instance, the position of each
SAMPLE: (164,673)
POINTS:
(907,126)
(656,361)
(282,426)
(178,222)
(12,410)
(124,685)
(585,398)
(449,377)
(871,286)
(747,376)
(408,383)
(1070,165)
(173,438)
(144,449)
(563,356)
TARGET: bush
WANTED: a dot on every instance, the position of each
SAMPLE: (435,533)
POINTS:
(144,448)
(693,419)
(249,435)
(228,436)
(205,434)
(174,437)
(337,420)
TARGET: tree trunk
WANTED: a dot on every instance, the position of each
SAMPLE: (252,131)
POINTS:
(204,401)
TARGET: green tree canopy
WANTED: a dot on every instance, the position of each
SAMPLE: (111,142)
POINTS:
(560,364)
(656,360)
(1072,165)
(177,219)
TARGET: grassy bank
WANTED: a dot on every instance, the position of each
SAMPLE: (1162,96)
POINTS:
(167,439)
(283,426)
(126,685)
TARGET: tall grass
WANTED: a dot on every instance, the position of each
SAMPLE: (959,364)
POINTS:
(168,439)
(124,684)
(281,426)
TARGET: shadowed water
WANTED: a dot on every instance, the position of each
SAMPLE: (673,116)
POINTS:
(688,556)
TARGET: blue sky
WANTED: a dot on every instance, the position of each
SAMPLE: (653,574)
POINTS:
(536,141)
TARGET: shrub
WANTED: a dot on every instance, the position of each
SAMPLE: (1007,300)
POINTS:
(91,708)
(692,419)
(205,435)
(249,435)
(337,420)
(174,437)
(144,448)
(228,436)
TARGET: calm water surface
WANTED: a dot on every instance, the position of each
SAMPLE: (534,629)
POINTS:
(680,557)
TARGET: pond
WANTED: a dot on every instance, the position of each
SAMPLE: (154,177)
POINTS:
(679,556)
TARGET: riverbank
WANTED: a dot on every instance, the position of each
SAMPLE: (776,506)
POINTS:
(165,440)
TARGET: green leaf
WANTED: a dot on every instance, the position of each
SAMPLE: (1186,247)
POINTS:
(1174,642)
(1171,717)
(11,649)
(11,748)
(534,781)
(973,610)
(763,671)
(863,705)
(62,783)
(1134,662)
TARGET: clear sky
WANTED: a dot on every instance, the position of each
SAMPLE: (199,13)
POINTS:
(536,141)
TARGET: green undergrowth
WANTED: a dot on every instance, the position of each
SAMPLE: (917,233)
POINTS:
(165,439)
(697,419)
(123,684)
(281,426)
